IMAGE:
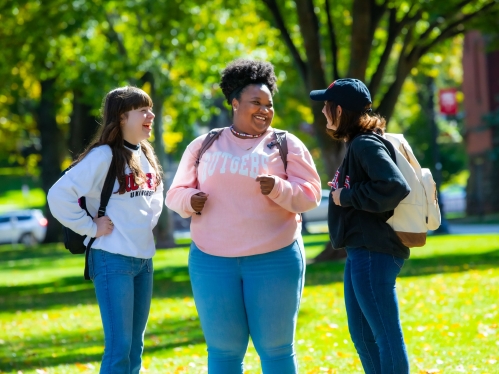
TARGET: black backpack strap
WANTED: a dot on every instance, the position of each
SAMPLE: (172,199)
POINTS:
(282,144)
(208,141)
(105,195)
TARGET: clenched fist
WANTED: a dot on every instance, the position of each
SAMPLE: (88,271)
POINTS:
(198,200)
(267,183)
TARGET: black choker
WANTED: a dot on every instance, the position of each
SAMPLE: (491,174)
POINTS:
(131,146)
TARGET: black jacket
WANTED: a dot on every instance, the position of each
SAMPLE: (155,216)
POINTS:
(372,187)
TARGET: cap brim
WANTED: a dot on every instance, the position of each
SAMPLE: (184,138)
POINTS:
(318,95)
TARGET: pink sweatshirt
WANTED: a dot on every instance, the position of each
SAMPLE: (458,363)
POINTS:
(237,220)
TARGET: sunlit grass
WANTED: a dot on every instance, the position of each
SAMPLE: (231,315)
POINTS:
(17,199)
(49,321)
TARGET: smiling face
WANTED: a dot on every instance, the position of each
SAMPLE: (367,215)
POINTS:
(253,111)
(136,124)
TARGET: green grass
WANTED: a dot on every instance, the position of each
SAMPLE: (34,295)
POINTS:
(11,195)
(448,293)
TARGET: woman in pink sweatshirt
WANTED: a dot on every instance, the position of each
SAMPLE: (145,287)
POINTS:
(246,261)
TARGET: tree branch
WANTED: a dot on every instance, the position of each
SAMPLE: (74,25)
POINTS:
(435,23)
(452,30)
(394,29)
(274,9)
(332,38)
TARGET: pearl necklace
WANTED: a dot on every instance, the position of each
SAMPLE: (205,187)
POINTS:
(243,134)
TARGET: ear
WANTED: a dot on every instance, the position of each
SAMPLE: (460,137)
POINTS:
(235,104)
(339,110)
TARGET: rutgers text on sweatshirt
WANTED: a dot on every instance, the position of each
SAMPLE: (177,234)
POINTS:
(237,219)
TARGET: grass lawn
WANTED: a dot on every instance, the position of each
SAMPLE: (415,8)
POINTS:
(449,298)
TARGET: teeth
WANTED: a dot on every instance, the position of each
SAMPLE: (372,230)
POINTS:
(261,118)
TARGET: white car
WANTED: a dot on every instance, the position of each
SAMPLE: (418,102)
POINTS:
(24,226)
(319,213)
(454,199)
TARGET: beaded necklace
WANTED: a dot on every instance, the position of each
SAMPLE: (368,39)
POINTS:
(244,135)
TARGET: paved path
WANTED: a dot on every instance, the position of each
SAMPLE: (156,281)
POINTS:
(473,229)
(321,227)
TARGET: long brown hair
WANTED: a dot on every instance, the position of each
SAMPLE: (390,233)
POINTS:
(119,102)
(351,123)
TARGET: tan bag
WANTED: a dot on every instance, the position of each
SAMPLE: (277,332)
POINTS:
(419,211)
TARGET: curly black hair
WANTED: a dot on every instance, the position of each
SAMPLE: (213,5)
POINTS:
(242,72)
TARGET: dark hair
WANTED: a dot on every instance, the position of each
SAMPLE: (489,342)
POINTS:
(117,103)
(353,123)
(242,72)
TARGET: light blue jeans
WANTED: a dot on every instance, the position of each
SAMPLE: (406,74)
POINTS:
(257,296)
(123,286)
(372,311)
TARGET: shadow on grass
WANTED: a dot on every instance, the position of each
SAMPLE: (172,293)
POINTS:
(65,348)
(169,282)
(330,272)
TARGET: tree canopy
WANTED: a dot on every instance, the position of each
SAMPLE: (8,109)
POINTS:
(59,59)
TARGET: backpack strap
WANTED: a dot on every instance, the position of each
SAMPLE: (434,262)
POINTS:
(208,141)
(282,144)
(105,195)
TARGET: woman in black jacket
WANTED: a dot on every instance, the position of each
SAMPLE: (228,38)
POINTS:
(365,190)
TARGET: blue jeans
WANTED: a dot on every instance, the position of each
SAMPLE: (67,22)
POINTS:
(372,311)
(123,286)
(253,295)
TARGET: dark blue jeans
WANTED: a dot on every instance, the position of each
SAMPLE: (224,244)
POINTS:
(372,311)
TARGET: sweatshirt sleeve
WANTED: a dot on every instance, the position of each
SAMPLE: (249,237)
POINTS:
(302,189)
(85,179)
(185,182)
(386,187)
(157,204)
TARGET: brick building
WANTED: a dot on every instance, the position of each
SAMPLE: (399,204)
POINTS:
(481,101)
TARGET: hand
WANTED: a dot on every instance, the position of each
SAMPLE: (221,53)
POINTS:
(198,200)
(336,196)
(104,226)
(267,183)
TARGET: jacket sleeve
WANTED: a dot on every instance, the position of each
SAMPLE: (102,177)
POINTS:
(85,179)
(386,187)
(185,182)
(302,189)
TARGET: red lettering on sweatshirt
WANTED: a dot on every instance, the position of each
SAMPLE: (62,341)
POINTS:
(336,178)
(150,182)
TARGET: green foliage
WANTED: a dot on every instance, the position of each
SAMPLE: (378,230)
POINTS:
(91,47)
(49,321)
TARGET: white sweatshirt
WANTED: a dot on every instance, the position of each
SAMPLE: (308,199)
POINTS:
(134,213)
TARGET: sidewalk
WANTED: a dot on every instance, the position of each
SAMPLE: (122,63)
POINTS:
(321,227)
(455,228)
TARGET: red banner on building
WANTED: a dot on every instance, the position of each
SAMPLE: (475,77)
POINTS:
(448,101)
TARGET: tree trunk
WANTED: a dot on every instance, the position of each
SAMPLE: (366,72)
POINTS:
(331,254)
(332,151)
(360,40)
(82,127)
(51,152)
(164,229)
(387,105)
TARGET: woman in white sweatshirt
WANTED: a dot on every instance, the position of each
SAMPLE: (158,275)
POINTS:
(120,260)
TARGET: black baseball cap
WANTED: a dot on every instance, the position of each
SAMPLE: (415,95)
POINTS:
(349,93)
